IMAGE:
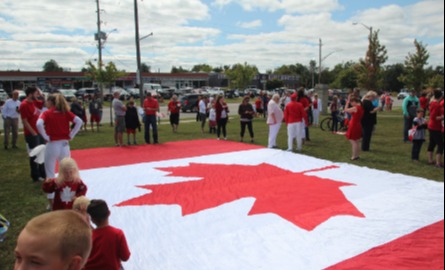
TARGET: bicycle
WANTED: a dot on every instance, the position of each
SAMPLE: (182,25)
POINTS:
(326,124)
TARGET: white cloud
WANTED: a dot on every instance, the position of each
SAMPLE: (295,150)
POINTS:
(289,6)
(249,25)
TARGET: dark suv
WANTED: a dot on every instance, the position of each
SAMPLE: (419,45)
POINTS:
(190,103)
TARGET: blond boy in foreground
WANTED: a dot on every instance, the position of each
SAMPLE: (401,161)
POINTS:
(59,240)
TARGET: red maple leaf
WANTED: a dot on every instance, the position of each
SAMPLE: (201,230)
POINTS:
(306,201)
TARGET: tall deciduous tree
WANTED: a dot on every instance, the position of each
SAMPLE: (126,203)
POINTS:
(106,76)
(369,70)
(241,75)
(415,75)
(145,68)
(202,68)
(391,76)
(179,70)
(346,78)
(51,66)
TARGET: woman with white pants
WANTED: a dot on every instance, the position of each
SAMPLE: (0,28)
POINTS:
(294,116)
(274,120)
(317,107)
(54,126)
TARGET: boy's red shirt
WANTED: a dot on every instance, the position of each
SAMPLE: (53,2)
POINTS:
(110,248)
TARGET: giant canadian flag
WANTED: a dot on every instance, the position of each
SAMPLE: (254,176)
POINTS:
(207,205)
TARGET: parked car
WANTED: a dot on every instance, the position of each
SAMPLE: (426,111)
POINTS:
(86,93)
(123,95)
(403,94)
(189,102)
(69,94)
(134,92)
(232,94)
(3,95)
(22,95)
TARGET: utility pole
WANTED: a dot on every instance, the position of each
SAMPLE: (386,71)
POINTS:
(319,63)
(99,35)
(138,53)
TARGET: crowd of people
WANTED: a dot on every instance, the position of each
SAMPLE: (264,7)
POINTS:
(54,123)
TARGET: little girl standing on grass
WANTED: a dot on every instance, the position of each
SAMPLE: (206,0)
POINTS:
(419,136)
(67,186)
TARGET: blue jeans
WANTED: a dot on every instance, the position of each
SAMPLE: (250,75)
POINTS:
(151,120)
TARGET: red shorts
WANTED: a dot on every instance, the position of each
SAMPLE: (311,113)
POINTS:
(131,131)
(95,118)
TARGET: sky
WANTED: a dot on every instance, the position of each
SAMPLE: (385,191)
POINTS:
(264,33)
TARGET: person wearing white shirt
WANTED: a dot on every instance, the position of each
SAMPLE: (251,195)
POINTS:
(203,112)
(274,120)
(11,116)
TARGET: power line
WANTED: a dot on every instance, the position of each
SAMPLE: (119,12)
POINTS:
(47,41)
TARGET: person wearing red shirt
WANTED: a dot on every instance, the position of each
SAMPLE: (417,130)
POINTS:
(442,113)
(30,109)
(54,126)
(259,106)
(67,186)
(424,102)
(294,115)
(355,130)
(435,127)
(110,246)
(174,108)
(317,108)
(305,101)
(151,108)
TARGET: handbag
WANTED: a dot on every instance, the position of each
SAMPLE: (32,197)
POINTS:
(412,133)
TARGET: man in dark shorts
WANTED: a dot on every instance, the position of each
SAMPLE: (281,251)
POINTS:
(95,112)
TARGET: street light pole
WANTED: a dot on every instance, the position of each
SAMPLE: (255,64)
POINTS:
(367,27)
(138,53)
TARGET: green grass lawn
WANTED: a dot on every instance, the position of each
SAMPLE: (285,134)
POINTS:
(21,200)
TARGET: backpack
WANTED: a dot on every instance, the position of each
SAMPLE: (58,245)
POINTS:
(4,225)
(412,108)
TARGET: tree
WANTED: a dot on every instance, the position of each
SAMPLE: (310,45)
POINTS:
(436,81)
(202,68)
(369,70)
(145,68)
(391,76)
(218,70)
(274,84)
(347,78)
(178,70)
(415,75)
(52,66)
(241,75)
(106,76)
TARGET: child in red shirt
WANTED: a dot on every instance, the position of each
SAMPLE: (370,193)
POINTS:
(67,186)
(109,244)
